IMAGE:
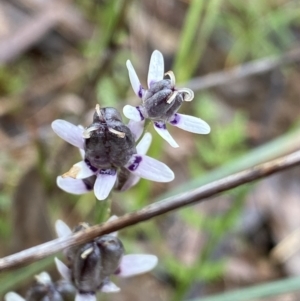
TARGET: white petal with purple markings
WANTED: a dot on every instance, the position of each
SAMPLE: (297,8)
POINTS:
(63,269)
(134,80)
(133,113)
(190,123)
(135,264)
(142,149)
(85,297)
(62,229)
(161,129)
(12,296)
(74,186)
(109,287)
(105,181)
(149,168)
(69,132)
(156,68)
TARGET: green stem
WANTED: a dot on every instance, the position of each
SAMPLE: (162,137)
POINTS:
(102,210)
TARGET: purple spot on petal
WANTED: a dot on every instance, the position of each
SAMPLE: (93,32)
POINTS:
(135,164)
(160,125)
(109,172)
(175,119)
(141,115)
(92,168)
(140,92)
(118,271)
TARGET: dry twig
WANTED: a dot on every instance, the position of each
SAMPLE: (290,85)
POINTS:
(248,69)
(13,45)
(155,209)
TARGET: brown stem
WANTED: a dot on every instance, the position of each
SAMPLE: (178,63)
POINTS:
(155,209)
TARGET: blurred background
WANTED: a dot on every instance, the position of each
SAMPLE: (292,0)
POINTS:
(59,58)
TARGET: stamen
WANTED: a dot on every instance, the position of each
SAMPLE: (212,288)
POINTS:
(118,133)
(98,110)
(172,97)
(72,173)
(86,253)
(172,77)
(87,132)
(188,94)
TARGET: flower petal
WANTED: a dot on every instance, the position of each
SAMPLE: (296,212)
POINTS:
(85,297)
(133,113)
(62,229)
(149,168)
(12,296)
(74,186)
(135,264)
(136,128)
(82,153)
(190,123)
(69,132)
(63,269)
(104,183)
(142,149)
(156,68)
(134,80)
(144,144)
(43,278)
(109,287)
(81,170)
(131,181)
(161,129)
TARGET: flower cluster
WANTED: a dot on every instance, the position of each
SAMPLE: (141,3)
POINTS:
(109,154)
(113,157)
(88,270)
(161,101)
(92,264)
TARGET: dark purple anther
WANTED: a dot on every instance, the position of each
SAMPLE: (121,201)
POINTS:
(160,125)
(109,172)
(92,168)
(175,119)
(135,164)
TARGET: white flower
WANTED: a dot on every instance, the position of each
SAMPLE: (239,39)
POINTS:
(161,101)
(84,177)
(129,265)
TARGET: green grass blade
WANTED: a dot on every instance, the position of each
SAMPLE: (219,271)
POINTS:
(259,291)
